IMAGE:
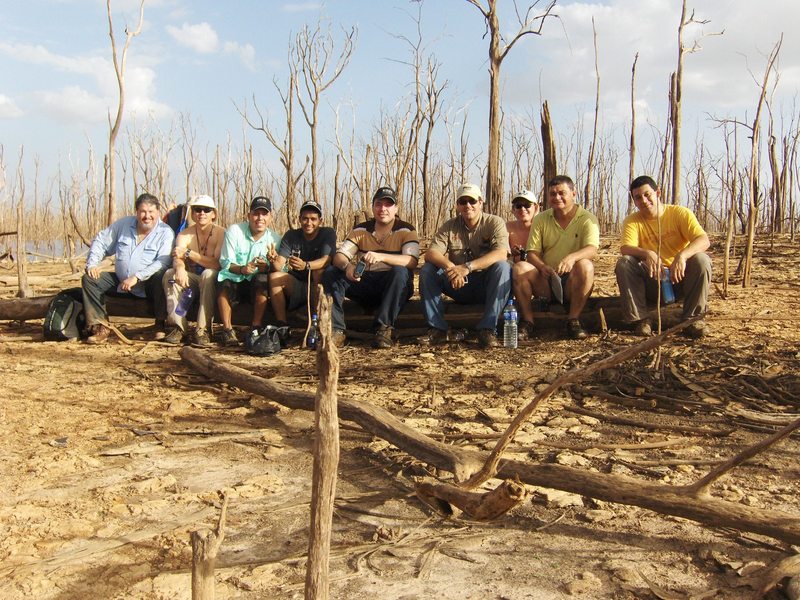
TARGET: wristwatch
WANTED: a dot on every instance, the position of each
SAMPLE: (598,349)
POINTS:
(186,256)
(468,264)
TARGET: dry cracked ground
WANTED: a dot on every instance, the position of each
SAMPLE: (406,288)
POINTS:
(112,455)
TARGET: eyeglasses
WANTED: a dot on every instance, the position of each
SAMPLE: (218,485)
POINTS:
(465,201)
(202,209)
(518,205)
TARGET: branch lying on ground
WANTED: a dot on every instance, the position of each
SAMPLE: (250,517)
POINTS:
(670,500)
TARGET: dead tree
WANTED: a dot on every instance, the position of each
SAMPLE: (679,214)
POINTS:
(632,149)
(119,70)
(285,146)
(549,168)
(590,162)
(676,94)
(22,251)
(529,24)
(755,165)
(316,64)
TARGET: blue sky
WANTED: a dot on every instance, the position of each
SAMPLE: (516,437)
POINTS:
(201,56)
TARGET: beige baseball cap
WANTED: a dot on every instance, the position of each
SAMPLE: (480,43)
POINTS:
(469,190)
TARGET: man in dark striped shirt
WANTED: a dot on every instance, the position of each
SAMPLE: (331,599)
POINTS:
(374,266)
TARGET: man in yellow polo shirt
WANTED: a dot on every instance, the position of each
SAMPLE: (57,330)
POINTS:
(563,243)
(682,250)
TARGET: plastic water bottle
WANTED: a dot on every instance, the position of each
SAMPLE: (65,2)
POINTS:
(184,302)
(667,291)
(313,334)
(510,325)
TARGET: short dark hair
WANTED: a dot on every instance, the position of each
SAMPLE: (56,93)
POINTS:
(559,179)
(146,199)
(643,180)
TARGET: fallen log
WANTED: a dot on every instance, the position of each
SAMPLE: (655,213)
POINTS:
(442,497)
(463,463)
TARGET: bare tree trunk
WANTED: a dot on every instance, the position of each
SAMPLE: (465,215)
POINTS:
(550,168)
(119,69)
(587,190)
(205,547)
(528,25)
(752,216)
(22,254)
(326,459)
(632,155)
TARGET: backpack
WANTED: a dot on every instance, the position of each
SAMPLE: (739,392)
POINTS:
(65,319)
(265,341)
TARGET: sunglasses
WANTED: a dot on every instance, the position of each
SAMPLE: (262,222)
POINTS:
(465,201)
(518,205)
(202,209)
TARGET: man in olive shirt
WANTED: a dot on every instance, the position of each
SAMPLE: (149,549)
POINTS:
(467,261)
(563,243)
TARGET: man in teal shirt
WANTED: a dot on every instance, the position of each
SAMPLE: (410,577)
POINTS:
(247,252)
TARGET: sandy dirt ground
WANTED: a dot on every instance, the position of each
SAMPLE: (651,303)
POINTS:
(112,455)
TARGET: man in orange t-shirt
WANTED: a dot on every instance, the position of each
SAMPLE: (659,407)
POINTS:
(661,236)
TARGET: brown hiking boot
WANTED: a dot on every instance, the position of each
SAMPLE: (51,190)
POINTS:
(383,337)
(99,335)
(643,328)
(200,338)
(487,338)
(339,338)
(575,330)
(697,330)
(526,331)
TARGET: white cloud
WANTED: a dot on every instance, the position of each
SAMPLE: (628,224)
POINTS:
(72,103)
(200,37)
(246,53)
(9,108)
(294,7)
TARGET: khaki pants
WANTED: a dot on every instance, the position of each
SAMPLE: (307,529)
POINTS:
(204,286)
(636,287)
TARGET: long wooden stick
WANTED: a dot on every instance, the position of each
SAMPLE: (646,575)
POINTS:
(326,459)
(489,468)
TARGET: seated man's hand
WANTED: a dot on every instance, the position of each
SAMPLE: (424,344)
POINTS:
(653,263)
(93,272)
(296,263)
(127,284)
(566,264)
(372,258)
(272,254)
(678,269)
(182,277)
(350,273)
(457,275)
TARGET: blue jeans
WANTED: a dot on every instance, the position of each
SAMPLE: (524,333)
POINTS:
(490,287)
(387,290)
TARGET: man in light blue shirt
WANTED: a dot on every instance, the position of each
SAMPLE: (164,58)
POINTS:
(247,252)
(142,246)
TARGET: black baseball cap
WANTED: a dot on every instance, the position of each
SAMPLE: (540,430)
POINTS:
(311,205)
(385,193)
(261,202)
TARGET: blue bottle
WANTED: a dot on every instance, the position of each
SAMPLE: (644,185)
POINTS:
(184,302)
(510,325)
(667,291)
(313,333)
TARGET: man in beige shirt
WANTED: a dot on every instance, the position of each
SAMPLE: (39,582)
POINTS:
(467,261)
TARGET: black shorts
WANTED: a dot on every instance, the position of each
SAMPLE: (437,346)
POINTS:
(246,289)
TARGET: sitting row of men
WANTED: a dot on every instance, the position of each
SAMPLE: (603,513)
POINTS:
(474,258)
